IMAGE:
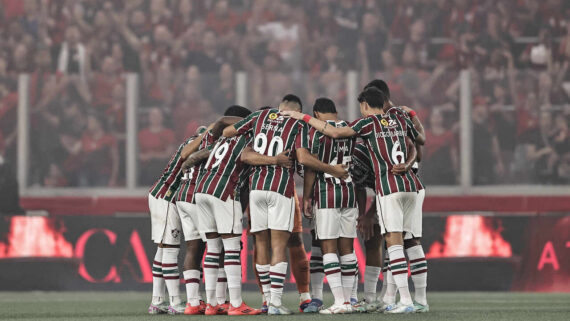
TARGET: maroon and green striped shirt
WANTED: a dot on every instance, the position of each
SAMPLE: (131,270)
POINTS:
(166,186)
(331,192)
(361,169)
(187,188)
(224,168)
(272,134)
(385,139)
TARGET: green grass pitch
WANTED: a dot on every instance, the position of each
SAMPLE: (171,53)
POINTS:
(133,306)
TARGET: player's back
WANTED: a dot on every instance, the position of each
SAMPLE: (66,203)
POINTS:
(386,143)
(186,190)
(272,134)
(170,177)
(331,192)
(223,169)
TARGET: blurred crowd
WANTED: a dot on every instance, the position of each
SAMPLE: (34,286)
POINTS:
(187,52)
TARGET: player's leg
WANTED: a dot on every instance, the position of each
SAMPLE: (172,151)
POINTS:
(207,226)
(159,302)
(394,208)
(282,211)
(258,209)
(416,256)
(317,272)
(299,262)
(195,247)
(228,221)
(348,262)
(222,285)
(300,269)
(170,250)
(327,228)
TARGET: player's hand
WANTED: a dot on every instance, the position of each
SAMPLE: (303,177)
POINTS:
(365,226)
(400,169)
(308,208)
(293,114)
(340,171)
(284,160)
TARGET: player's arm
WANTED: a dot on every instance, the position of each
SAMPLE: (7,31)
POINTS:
(195,158)
(222,123)
(365,221)
(323,127)
(309,161)
(193,146)
(419,151)
(253,158)
(308,190)
(401,169)
(421,137)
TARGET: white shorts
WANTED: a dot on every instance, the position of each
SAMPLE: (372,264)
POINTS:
(416,229)
(215,215)
(332,223)
(271,210)
(396,211)
(165,222)
(189,219)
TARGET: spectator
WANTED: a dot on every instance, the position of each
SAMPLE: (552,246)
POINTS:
(156,145)
(99,155)
(72,56)
(488,165)
(440,163)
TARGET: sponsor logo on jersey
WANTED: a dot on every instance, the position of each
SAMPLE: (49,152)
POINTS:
(384,122)
(273,116)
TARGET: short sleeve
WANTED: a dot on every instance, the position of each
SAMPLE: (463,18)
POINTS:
(302,139)
(363,126)
(314,141)
(246,124)
(411,129)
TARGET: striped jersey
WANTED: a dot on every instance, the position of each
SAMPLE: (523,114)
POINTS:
(272,134)
(415,167)
(169,181)
(223,170)
(331,192)
(361,168)
(385,139)
(187,188)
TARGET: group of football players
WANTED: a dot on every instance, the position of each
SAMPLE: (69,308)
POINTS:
(243,167)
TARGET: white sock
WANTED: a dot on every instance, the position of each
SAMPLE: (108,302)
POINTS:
(385,270)
(418,267)
(348,269)
(192,280)
(354,294)
(232,265)
(265,280)
(304,297)
(371,275)
(332,270)
(221,286)
(317,273)
(277,275)
(158,285)
(211,266)
(171,274)
(399,270)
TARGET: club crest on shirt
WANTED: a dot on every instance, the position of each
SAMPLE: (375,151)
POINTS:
(175,233)
(384,122)
(273,116)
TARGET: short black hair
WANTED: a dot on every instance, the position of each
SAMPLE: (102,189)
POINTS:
(380,85)
(294,99)
(237,110)
(266,107)
(373,96)
(324,105)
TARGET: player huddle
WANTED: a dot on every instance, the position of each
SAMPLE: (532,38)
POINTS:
(244,166)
